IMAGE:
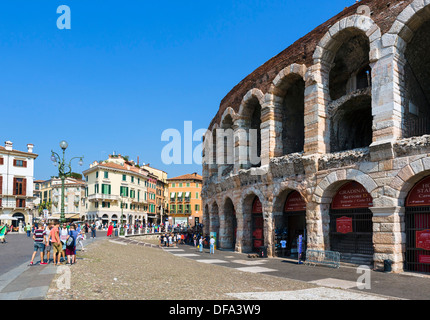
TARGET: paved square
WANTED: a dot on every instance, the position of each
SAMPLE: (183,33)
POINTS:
(307,294)
(255,269)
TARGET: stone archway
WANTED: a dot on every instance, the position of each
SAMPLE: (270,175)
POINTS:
(228,228)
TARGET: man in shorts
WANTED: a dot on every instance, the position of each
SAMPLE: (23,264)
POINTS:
(57,246)
(39,243)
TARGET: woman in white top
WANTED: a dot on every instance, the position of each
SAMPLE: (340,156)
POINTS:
(48,242)
(63,238)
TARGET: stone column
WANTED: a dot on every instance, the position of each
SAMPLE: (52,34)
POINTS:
(316,226)
(386,97)
(240,146)
(388,237)
(269,228)
(317,129)
(271,130)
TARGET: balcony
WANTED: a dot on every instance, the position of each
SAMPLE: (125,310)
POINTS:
(102,197)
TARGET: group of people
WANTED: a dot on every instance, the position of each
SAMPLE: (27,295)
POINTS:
(172,239)
(62,240)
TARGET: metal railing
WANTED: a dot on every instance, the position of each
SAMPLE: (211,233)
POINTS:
(416,127)
(327,258)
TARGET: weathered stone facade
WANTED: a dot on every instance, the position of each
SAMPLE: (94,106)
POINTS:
(352,73)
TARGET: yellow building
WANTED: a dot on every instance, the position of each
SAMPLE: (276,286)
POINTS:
(185,203)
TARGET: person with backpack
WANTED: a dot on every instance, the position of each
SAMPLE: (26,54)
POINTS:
(71,245)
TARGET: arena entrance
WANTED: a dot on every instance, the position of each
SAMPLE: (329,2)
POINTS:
(257,225)
(351,226)
(290,226)
(417,222)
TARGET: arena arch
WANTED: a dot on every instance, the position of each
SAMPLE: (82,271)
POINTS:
(289,89)
(345,56)
(229,229)
(409,37)
(249,123)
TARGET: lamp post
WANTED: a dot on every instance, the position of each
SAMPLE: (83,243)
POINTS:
(62,173)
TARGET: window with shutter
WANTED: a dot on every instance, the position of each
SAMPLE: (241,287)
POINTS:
(1,184)
(1,161)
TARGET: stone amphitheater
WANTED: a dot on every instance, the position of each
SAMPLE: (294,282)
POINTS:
(343,138)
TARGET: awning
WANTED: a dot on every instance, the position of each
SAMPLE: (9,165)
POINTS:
(66,215)
(187,194)
(179,194)
(172,195)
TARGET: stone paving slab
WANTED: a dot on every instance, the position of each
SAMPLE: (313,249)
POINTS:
(307,294)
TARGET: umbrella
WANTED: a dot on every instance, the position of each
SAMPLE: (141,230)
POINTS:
(6,217)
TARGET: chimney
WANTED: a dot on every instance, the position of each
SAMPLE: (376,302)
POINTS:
(30,148)
(8,145)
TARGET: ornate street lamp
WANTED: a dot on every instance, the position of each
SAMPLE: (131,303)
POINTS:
(62,173)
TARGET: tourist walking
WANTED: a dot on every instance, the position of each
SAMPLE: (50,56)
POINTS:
(48,243)
(3,231)
(39,244)
(81,237)
(201,244)
(71,245)
(195,240)
(28,230)
(63,238)
(110,230)
(212,245)
(57,246)
(93,230)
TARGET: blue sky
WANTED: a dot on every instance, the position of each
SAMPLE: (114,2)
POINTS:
(128,70)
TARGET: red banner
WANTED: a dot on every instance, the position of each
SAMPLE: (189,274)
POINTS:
(344,225)
(420,194)
(352,196)
(424,259)
(295,202)
(423,239)
(257,206)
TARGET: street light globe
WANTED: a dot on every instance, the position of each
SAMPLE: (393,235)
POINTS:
(81,162)
(53,159)
(64,145)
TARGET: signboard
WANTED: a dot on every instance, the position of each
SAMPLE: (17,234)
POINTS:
(420,194)
(352,196)
(45,213)
(423,239)
(257,207)
(294,203)
(424,259)
(344,225)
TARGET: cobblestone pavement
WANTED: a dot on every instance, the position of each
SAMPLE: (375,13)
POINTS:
(125,269)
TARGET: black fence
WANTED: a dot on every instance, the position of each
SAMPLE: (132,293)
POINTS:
(360,241)
(416,127)
(416,259)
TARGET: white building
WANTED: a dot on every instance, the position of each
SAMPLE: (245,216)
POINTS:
(74,198)
(118,187)
(16,183)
